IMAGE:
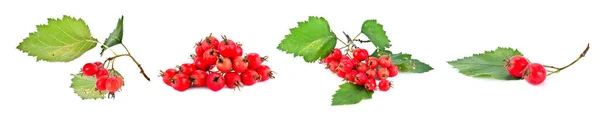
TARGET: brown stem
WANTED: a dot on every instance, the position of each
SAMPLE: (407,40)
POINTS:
(136,62)
(580,56)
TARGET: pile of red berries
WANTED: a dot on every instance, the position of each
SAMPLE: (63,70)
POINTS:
(104,81)
(520,67)
(362,70)
(232,67)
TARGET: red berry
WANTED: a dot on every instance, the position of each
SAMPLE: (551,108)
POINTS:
(265,73)
(101,83)
(535,74)
(233,80)
(99,64)
(360,54)
(393,70)
(168,76)
(187,68)
(113,84)
(239,51)
(345,66)
(385,61)
(360,79)
(384,85)
(371,73)
(202,66)
(326,60)
(199,51)
(362,67)
(350,76)
(240,64)
(224,64)
(333,66)
(336,54)
(227,48)
(344,57)
(254,60)
(210,56)
(199,77)
(370,85)
(101,72)
(372,62)
(209,42)
(249,77)
(215,81)
(383,73)
(515,65)
(89,69)
(341,74)
(181,82)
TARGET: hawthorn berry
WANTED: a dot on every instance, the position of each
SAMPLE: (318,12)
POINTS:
(345,66)
(534,74)
(362,67)
(113,84)
(210,56)
(360,54)
(326,60)
(384,85)
(371,73)
(99,64)
(101,83)
(515,65)
(372,62)
(224,64)
(199,51)
(250,77)
(168,76)
(101,72)
(202,66)
(333,66)
(265,73)
(383,73)
(239,51)
(89,69)
(341,74)
(336,54)
(209,42)
(215,81)
(385,61)
(360,79)
(227,48)
(187,68)
(181,82)
(393,70)
(199,78)
(240,64)
(344,57)
(254,60)
(370,84)
(233,80)
(350,76)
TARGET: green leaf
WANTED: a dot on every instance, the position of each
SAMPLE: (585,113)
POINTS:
(115,38)
(489,64)
(374,31)
(312,40)
(406,63)
(85,87)
(61,40)
(350,94)
(379,52)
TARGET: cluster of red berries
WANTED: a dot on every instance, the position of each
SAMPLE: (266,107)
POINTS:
(362,69)
(520,67)
(104,81)
(232,67)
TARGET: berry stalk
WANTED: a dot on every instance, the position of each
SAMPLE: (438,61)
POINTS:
(562,68)
(120,55)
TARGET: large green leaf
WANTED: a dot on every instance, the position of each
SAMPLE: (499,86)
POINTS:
(312,40)
(489,64)
(85,87)
(61,40)
(115,38)
(350,94)
(374,31)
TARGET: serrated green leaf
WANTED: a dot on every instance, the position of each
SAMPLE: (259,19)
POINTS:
(406,63)
(61,40)
(115,38)
(378,52)
(489,64)
(311,40)
(350,94)
(374,31)
(85,87)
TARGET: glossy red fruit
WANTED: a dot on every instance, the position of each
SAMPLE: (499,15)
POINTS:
(210,56)
(227,48)
(362,67)
(370,85)
(101,72)
(393,70)
(384,85)
(344,57)
(215,81)
(383,73)
(360,79)
(336,54)
(254,60)
(372,62)
(326,60)
(233,80)
(99,64)
(202,66)
(250,77)
(181,82)
(187,68)
(89,69)
(209,42)
(515,65)
(199,51)
(333,66)
(371,73)
(360,54)
(240,64)
(167,76)
(534,74)
(341,74)
(345,66)
(113,84)
(101,83)
(198,78)
(224,64)
(265,73)
(239,51)
(350,76)
(385,61)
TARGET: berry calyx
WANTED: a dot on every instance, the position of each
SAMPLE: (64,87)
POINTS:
(265,73)
(384,85)
(215,81)
(372,62)
(233,80)
(383,73)
(198,78)
(224,64)
(89,69)
(168,76)
(515,65)
(370,85)
(209,42)
(360,54)
(181,82)
(534,74)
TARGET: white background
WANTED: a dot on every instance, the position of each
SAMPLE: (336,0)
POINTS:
(162,34)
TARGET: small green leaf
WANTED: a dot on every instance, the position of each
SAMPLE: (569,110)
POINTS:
(379,52)
(406,63)
(85,87)
(115,38)
(350,94)
(312,40)
(374,31)
(489,64)
(61,40)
